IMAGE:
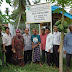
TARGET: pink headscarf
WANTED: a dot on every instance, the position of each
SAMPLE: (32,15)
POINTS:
(17,30)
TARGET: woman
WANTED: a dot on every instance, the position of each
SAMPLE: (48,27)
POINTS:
(36,48)
(18,47)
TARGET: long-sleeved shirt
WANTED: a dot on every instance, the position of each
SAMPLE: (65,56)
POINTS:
(43,41)
(27,42)
(56,38)
(68,43)
(49,43)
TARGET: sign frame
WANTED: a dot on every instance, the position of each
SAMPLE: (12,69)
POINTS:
(41,22)
(35,5)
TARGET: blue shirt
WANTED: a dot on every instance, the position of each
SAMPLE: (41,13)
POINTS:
(68,43)
(35,39)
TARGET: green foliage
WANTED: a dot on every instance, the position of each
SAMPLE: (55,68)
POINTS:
(1,2)
(7,11)
(29,68)
(20,4)
(62,3)
(58,10)
(32,68)
(58,27)
(68,20)
(58,22)
(65,31)
(65,25)
(8,1)
(61,27)
(36,26)
(15,16)
(19,14)
(36,1)
(3,18)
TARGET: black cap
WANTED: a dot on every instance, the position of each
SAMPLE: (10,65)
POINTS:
(48,28)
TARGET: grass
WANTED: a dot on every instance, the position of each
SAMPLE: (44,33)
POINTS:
(31,68)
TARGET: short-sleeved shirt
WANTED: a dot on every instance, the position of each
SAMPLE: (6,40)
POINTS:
(35,39)
(7,39)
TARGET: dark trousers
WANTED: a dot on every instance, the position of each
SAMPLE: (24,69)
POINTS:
(68,60)
(56,55)
(43,56)
(27,56)
(49,58)
(8,53)
(2,58)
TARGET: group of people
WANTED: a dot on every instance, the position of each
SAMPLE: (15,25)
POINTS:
(26,48)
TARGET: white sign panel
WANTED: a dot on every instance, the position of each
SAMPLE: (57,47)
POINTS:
(38,13)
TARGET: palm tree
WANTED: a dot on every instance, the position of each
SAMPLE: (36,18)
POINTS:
(20,5)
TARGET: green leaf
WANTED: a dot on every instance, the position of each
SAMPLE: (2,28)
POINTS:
(8,1)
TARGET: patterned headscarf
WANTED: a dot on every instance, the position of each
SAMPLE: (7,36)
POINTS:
(17,30)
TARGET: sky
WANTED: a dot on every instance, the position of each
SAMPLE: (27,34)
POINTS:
(5,5)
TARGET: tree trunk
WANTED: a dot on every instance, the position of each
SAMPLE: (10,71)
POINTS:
(61,45)
(61,53)
(19,21)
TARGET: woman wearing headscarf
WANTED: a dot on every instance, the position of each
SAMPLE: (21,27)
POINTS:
(18,47)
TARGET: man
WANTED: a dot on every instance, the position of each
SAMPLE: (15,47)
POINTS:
(56,44)
(36,48)
(49,46)
(68,47)
(43,43)
(1,49)
(27,47)
(7,45)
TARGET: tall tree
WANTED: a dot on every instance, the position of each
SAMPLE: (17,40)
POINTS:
(20,5)
(62,4)
(3,17)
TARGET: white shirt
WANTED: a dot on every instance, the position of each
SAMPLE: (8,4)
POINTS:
(49,43)
(7,39)
(56,38)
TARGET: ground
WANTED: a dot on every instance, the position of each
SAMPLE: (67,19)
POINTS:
(31,68)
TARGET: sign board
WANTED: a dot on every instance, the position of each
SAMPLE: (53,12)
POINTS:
(38,13)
